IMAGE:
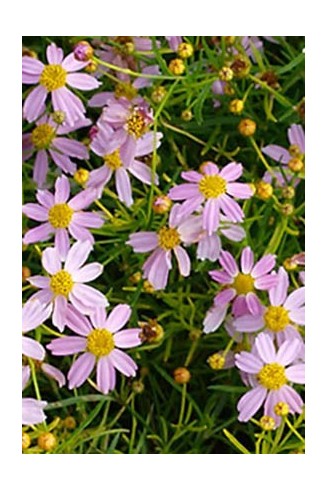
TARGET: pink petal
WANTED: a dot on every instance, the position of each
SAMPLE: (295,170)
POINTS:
(277,153)
(62,243)
(35,211)
(288,395)
(63,161)
(64,100)
(222,277)
(123,186)
(209,247)
(191,176)
(278,294)
(32,411)
(54,373)
(298,316)
(296,299)
(62,189)
(128,338)
(118,317)
(247,260)
(263,266)
(40,168)
(77,255)
(248,323)
(288,352)
(248,362)
(34,103)
(106,376)
(123,362)
(143,241)
(232,171)
(80,234)
(296,136)
(71,64)
(55,55)
(45,198)
(231,209)
(31,66)
(253,303)
(80,370)
(224,297)
(87,219)
(59,313)
(33,349)
(184,191)
(147,143)
(266,282)
(214,317)
(88,272)
(71,147)
(249,404)
(38,234)
(83,199)
(228,263)
(211,215)
(159,271)
(142,172)
(39,281)
(88,298)
(82,81)
(51,260)
(77,322)
(240,191)
(183,261)
(265,348)
(209,168)
(34,313)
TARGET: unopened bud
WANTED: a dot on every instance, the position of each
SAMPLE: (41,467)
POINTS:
(177,66)
(295,165)
(81,176)
(289,265)
(138,386)
(241,66)
(83,51)
(29,52)
(295,151)
(271,79)
(147,287)
(216,361)
(47,441)
(181,375)
(26,440)
(247,127)
(58,117)
(264,190)
(91,66)
(69,423)
(229,40)
(152,331)
(158,94)
(281,409)
(135,278)
(236,106)
(26,272)
(267,422)
(195,334)
(287,209)
(185,50)
(161,204)
(288,192)
(186,115)
(226,74)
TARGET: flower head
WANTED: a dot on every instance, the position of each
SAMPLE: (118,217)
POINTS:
(101,341)
(53,78)
(62,216)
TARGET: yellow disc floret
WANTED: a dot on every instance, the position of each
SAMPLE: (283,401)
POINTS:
(243,283)
(276,318)
(42,136)
(100,342)
(137,124)
(60,215)
(61,283)
(113,160)
(168,238)
(53,77)
(212,186)
(272,376)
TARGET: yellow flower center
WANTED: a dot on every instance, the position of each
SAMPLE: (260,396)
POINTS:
(243,283)
(294,151)
(212,186)
(168,238)
(272,376)
(60,215)
(113,160)
(42,136)
(276,318)
(53,77)
(61,283)
(137,124)
(100,342)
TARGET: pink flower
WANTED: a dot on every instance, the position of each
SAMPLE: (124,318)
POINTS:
(100,341)
(46,138)
(270,377)
(296,138)
(103,146)
(278,319)
(66,284)
(162,243)
(52,79)
(214,188)
(61,217)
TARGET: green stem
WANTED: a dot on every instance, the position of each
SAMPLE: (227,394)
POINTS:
(261,157)
(183,405)
(277,236)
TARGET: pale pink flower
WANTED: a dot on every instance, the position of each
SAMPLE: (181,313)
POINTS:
(100,340)
(65,283)
(53,78)
(33,411)
(213,187)
(270,373)
(61,216)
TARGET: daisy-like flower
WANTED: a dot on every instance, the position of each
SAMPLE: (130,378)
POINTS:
(114,163)
(296,138)
(270,373)
(46,138)
(60,216)
(53,78)
(100,340)
(214,188)
(162,243)
(281,317)
(66,283)
(130,121)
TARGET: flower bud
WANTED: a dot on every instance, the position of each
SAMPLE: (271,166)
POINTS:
(281,409)
(151,332)
(58,117)
(69,423)
(81,176)
(229,40)
(228,89)
(267,422)
(147,287)
(26,272)
(158,94)
(29,52)
(240,66)
(161,204)
(295,151)
(226,74)
(91,66)
(47,441)
(138,386)
(236,106)
(26,440)
(295,165)
(185,50)
(247,127)
(264,190)
(216,361)
(135,278)
(93,131)
(287,209)
(181,375)
(186,115)
(271,79)
(195,334)
(289,265)
(83,51)
(177,66)
(300,108)
(288,192)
